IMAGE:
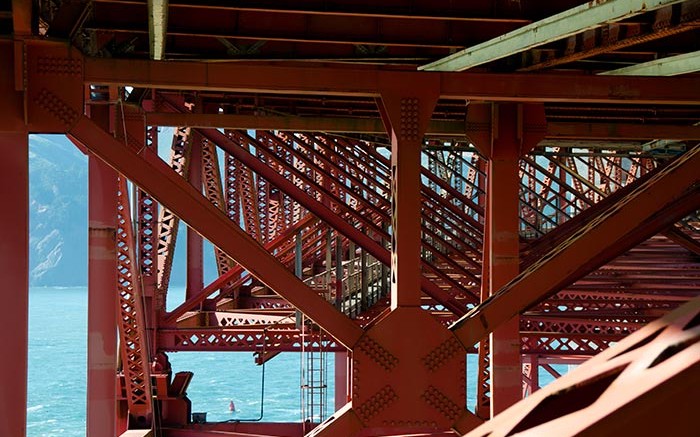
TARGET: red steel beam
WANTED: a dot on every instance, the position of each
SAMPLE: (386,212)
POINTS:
(629,389)
(153,175)
(102,301)
(366,82)
(620,131)
(323,212)
(406,115)
(292,123)
(14,257)
(503,254)
(22,18)
(555,130)
(233,273)
(659,201)
(133,341)
(195,244)
(421,10)
(682,239)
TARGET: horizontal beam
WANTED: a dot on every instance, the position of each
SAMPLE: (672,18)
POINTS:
(366,82)
(195,300)
(352,9)
(153,175)
(324,213)
(556,130)
(669,66)
(255,122)
(652,206)
(570,22)
(620,131)
(21,18)
(290,123)
(288,36)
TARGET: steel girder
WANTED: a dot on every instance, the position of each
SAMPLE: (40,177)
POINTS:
(322,211)
(555,130)
(132,319)
(561,25)
(101,415)
(651,374)
(14,254)
(157,178)
(349,81)
(660,201)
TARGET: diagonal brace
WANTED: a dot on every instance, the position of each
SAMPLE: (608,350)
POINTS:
(656,204)
(324,213)
(153,175)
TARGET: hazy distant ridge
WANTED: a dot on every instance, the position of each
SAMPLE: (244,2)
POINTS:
(57,212)
(58,178)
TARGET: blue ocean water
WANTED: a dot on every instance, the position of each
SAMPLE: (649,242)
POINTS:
(57,372)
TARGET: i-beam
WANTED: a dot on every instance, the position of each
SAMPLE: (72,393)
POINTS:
(586,16)
(670,66)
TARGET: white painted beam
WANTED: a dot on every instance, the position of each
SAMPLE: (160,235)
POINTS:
(589,15)
(157,27)
(670,66)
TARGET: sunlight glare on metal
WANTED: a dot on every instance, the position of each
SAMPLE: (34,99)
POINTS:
(570,22)
(669,66)
(157,27)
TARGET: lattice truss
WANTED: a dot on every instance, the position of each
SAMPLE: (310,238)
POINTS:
(351,178)
(132,322)
(620,391)
(266,183)
(452,215)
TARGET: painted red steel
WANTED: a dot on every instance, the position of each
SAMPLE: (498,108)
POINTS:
(168,223)
(132,318)
(14,170)
(632,219)
(102,275)
(154,175)
(503,250)
(621,390)
(350,81)
(580,227)
(322,212)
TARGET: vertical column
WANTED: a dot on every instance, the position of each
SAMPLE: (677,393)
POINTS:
(534,373)
(503,252)
(405,210)
(299,272)
(338,272)
(406,112)
(102,300)
(195,273)
(341,358)
(14,258)
(483,385)
(341,379)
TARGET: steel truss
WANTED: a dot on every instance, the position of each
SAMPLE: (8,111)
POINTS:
(538,255)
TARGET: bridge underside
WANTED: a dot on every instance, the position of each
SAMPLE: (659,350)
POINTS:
(553,216)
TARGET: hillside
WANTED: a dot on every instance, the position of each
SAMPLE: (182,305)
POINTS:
(57,212)
(58,177)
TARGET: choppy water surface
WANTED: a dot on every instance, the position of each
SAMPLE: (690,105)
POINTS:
(57,372)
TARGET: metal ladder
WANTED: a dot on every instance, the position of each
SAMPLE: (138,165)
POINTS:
(314,377)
